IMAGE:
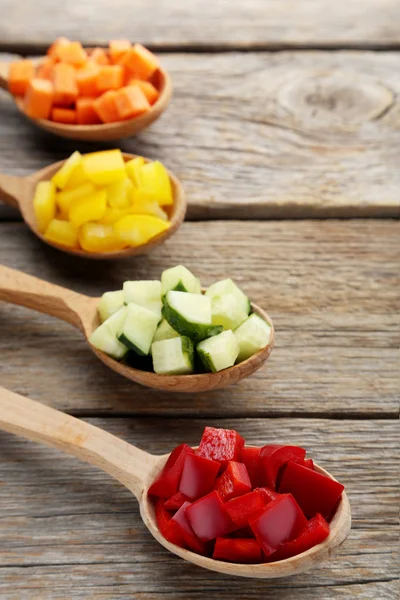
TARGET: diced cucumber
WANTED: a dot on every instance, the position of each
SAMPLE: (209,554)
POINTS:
(173,356)
(109,303)
(190,315)
(227,311)
(218,352)
(180,279)
(104,338)
(144,293)
(164,332)
(138,328)
(227,286)
(252,335)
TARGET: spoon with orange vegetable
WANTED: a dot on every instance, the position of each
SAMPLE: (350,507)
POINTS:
(102,205)
(90,94)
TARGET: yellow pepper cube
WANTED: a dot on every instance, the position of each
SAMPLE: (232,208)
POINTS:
(148,208)
(62,233)
(119,194)
(63,175)
(67,198)
(155,180)
(133,169)
(94,237)
(112,215)
(137,230)
(44,204)
(103,168)
(77,179)
(90,208)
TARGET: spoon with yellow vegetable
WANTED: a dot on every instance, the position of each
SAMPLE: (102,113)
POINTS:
(101,205)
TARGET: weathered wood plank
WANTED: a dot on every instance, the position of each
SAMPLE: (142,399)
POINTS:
(67,530)
(331,288)
(177,23)
(260,135)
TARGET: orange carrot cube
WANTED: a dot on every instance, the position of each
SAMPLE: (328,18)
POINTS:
(85,112)
(118,48)
(99,56)
(140,61)
(64,115)
(45,69)
(19,75)
(38,99)
(106,108)
(71,53)
(61,41)
(147,88)
(65,87)
(110,78)
(130,102)
(86,79)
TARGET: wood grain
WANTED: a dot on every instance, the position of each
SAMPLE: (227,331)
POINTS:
(261,135)
(331,288)
(177,23)
(68,531)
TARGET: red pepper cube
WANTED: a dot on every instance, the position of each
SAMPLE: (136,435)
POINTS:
(198,476)
(269,495)
(250,458)
(163,518)
(233,482)
(181,527)
(243,532)
(280,522)
(166,484)
(245,508)
(175,502)
(308,462)
(221,445)
(208,517)
(272,458)
(314,492)
(315,532)
(245,551)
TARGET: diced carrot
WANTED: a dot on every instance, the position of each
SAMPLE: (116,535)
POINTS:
(86,79)
(85,112)
(140,61)
(19,75)
(130,102)
(110,78)
(118,48)
(99,56)
(64,115)
(147,88)
(45,69)
(105,107)
(61,41)
(39,99)
(65,87)
(71,53)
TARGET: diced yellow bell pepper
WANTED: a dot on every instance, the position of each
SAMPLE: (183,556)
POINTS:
(137,230)
(89,208)
(78,178)
(148,208)
(119,193)
(62,233)
(61,178)
(155,180)
(103,168)
(66,198)
(94,237)
(44,204)
(133,169)
(112,215)
(140,195)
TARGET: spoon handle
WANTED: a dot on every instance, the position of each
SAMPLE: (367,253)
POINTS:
(11,188)
(4,75)
(34,421)
(25,290)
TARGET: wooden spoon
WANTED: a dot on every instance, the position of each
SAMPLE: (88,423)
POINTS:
(137,469)
(81,311)
(19,191)
(106,131)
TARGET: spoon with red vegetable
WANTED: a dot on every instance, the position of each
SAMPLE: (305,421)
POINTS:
(138,470)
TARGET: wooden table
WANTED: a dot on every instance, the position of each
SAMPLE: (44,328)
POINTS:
(283,110)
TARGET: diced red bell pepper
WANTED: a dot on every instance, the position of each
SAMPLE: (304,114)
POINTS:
(221,445)
(198,476)
(245,508)
(314,492)
(250,457)
(315,532)
(233,482)
(208,517)
(272,458)
(281,521)
(243,532)
(309,463)
(163,518)
(175,502)
(245,551)
(166,484)
(180,526)
(269,495)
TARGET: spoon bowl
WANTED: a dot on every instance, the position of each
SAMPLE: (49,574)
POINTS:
(19,192)
(81,311)
(136,470)
(105,131)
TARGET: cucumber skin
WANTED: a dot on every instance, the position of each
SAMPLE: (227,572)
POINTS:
(124,340)
(188,330)
(206,361)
